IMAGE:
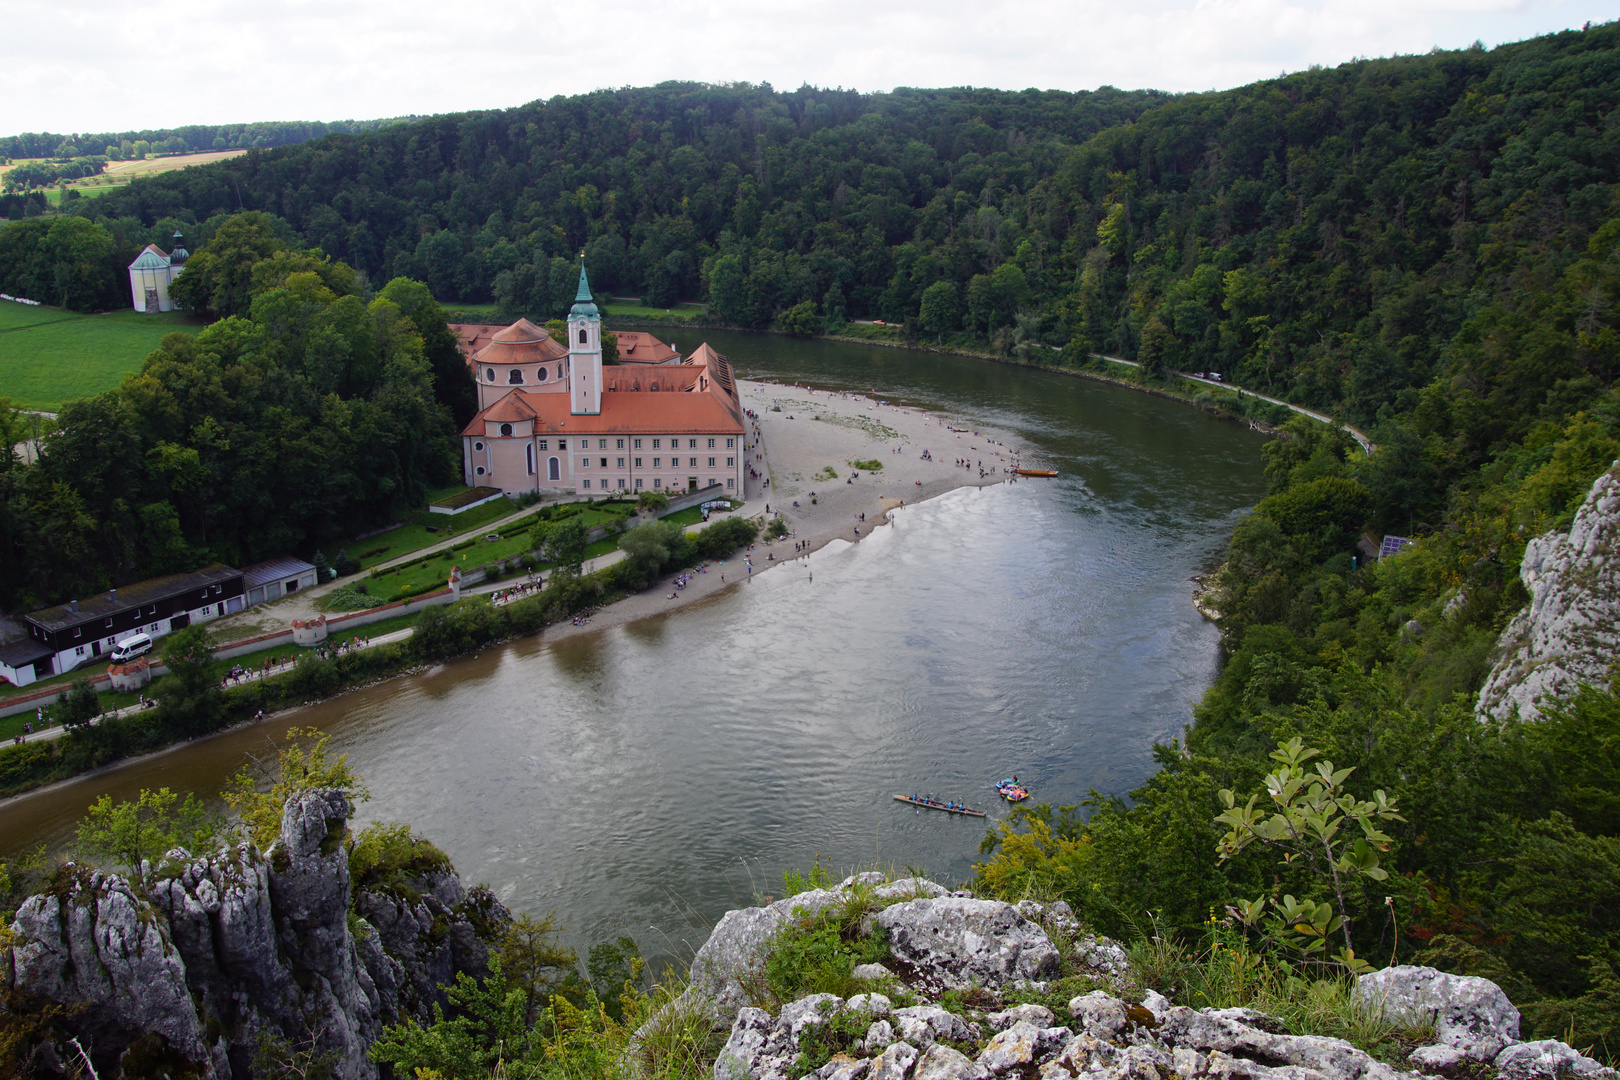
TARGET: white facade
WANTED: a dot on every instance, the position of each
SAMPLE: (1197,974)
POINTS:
(150,275)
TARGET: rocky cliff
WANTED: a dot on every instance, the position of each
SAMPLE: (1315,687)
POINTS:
(185,967)
(966,992)
(1570,633)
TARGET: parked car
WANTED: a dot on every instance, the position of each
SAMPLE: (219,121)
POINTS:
(131,647)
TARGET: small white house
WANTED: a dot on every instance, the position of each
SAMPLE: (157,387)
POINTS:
(151,273)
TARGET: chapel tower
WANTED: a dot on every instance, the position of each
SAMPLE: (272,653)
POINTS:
(584,353)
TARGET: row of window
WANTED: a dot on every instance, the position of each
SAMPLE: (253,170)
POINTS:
(658,463)
(602,444)
(112,640)
(658,484)
(515,376)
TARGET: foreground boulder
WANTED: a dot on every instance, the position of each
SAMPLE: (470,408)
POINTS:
(955,943)
(958,967)
(210,955)
(1472,1018)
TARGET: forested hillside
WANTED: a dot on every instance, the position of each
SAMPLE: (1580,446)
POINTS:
(188,139)
(1428,246)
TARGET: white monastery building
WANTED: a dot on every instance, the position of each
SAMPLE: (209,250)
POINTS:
(553,418)
(150,274)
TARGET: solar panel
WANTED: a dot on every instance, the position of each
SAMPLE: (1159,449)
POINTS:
(1393,545)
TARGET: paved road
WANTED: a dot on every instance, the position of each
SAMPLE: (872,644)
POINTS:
(1360,436)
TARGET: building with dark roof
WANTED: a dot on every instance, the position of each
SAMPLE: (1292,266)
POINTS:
(277,577)
(62,638)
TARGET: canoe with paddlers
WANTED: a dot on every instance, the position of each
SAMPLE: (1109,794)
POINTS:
(940,804)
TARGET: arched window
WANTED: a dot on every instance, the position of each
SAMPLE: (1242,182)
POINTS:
(559,371)
(582,335)
(516,376)
(553,469)
(489,374)
(530,456)
(506,429)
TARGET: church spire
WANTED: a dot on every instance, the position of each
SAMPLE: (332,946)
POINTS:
(583,305)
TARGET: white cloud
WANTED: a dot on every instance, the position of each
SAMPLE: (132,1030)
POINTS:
(109,66)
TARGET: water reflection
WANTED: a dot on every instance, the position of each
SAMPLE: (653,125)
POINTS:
(643,779)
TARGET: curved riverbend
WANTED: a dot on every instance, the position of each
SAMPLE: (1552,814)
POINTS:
(645,778)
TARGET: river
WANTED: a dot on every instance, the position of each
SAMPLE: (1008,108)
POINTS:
(644,779)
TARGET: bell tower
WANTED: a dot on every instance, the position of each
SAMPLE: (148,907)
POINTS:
(584,353)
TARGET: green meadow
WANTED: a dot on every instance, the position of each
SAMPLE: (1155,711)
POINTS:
(48,355)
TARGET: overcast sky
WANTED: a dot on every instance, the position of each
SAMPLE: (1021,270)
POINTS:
(100,65)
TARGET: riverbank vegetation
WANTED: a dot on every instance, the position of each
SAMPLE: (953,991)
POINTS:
(191,701)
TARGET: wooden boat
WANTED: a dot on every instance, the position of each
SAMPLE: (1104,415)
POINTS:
(1036,472)
(937,805)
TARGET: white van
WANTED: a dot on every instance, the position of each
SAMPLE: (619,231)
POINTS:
(131,647)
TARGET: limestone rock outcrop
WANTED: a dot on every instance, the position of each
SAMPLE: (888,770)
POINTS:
(1570,632)
(965,964)
(198,958)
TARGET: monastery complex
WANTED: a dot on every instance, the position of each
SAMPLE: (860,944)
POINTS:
(554,418)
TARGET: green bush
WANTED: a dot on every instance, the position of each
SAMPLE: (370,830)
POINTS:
(389,856)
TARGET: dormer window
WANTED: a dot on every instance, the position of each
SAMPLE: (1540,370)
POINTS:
(515,377)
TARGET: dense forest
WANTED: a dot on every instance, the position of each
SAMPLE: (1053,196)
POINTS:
(306,413)
(189,139)
(1427,246)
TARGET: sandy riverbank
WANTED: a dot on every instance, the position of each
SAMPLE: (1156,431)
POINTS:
(817,430)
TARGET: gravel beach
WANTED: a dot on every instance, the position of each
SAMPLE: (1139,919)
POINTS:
(805,441)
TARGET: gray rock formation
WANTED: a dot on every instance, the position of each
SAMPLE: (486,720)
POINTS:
(1570,633)
(1120,1042)
(207,954)
(1472,1018)
(735,952)
(956,943)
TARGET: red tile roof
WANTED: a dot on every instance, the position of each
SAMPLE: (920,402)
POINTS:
(637,347)
(509,409)
(636,414)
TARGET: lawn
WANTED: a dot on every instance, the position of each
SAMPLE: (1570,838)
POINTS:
(15,316)
(53,196)
(692,515)
(436,567)
(390,545)
(679,314)
(74,356)
(471,313)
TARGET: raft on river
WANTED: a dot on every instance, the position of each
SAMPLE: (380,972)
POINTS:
(935,804)
(1036,472)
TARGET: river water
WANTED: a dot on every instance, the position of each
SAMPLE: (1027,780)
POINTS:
(644,779)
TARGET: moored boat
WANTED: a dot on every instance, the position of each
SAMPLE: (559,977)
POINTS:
(936,804)
(1036,472)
